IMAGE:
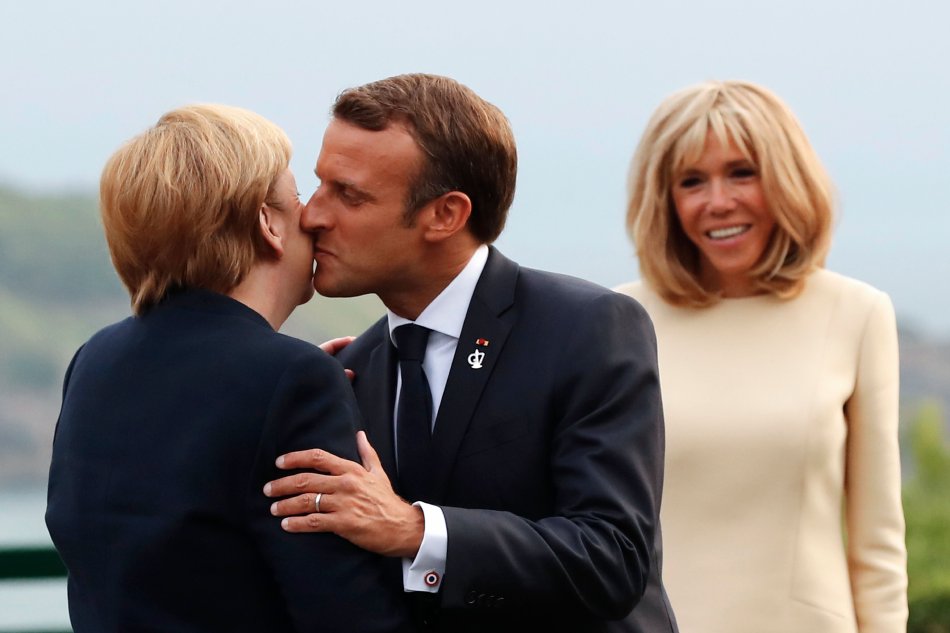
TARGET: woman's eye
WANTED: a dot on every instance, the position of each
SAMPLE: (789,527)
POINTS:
(744,172)
(689,182)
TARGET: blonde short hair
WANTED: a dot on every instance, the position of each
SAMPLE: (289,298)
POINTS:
(180,202)
(797,189)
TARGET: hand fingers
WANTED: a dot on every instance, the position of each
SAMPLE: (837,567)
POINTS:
(302,505)
(333,346)
(310,523)
(299,483)
(316,459)
(367,453)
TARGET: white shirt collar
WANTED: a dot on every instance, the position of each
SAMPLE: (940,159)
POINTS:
(446,313)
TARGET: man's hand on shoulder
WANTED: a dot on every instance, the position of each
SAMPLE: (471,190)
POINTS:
(335,345)
(356,501)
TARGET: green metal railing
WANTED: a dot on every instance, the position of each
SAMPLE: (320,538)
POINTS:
(28,563)
(31,563)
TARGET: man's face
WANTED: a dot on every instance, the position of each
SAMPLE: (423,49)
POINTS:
(356,216)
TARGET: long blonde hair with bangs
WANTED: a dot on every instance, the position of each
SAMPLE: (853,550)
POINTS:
(797,188)
(180,202)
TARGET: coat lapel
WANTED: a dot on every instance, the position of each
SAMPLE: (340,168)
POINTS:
(376,395)
(489,317)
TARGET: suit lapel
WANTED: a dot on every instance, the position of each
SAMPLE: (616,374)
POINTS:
(376,396)
(488,318)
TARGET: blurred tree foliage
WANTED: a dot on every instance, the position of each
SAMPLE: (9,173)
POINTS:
(927,510)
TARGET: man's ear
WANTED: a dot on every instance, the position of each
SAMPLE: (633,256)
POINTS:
(272,229)
(447,215)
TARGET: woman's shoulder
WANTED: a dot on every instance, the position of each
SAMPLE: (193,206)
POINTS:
(297,351)
(851,303)
(642,294)
(656,306)
(636,289)
(825,282)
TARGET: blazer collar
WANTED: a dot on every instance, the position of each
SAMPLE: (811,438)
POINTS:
(377,394)
(210,302)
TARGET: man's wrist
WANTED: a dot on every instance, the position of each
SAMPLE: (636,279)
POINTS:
(412,530)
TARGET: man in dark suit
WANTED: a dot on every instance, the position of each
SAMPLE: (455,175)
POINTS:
(172,419)
(519,410)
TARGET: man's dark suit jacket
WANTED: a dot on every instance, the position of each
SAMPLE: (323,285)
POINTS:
(169,430)
(548,460)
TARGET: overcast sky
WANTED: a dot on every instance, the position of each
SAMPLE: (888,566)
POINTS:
(869,81)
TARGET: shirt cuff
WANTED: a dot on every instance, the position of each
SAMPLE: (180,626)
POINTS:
(424,572)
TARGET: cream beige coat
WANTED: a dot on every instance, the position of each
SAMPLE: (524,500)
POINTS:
(779,414)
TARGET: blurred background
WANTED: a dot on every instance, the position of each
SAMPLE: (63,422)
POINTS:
(578,81)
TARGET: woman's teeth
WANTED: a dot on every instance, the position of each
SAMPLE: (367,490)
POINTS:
(732,231)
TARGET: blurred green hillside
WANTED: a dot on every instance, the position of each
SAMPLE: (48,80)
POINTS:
(56,284)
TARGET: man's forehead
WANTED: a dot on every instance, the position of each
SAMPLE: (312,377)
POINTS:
(348,147)
(396,134)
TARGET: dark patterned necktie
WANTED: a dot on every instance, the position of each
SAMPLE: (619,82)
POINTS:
(413,412)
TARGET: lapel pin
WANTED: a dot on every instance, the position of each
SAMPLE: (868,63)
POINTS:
(475,359)
(482,341)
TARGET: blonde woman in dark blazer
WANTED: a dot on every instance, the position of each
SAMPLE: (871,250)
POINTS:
(173,418)
(780,378)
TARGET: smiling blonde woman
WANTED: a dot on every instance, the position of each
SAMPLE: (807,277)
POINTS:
(780,378)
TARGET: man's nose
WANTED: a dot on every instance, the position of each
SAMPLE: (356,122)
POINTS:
(313,217)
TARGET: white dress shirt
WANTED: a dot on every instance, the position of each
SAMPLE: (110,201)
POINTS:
(445,317)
